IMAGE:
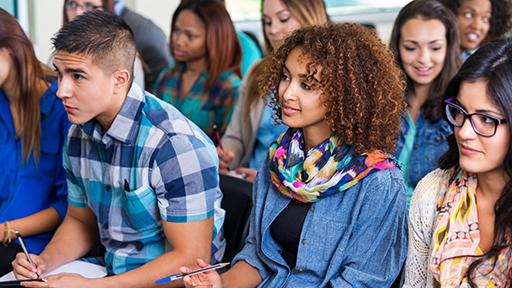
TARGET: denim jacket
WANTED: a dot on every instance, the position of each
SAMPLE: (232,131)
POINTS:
(429,144)
(355,237)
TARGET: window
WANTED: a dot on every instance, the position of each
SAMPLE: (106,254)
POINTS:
(249,10)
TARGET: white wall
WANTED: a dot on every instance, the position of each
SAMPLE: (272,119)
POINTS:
(46,19)
(159,11)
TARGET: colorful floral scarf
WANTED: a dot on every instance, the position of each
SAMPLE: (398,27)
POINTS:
(326,169)
(456,234)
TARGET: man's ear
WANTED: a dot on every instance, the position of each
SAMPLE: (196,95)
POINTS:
(121,80)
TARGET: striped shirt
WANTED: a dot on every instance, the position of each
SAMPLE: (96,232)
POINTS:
(152,164)
(204,108)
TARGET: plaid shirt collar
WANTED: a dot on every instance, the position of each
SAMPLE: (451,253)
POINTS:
(126,124)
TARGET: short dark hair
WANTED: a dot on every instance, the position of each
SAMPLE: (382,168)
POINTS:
(101,34)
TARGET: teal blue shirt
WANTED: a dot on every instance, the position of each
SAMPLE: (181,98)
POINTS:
(405,156)
(203,107)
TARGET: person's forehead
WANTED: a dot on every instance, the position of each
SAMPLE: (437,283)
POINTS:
(74,60)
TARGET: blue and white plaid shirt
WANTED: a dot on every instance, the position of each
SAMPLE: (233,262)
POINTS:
(170,167)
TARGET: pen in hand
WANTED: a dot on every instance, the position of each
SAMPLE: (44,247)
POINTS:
(24,247)
(181,275)
(217,135)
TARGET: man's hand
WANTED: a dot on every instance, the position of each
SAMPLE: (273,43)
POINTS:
(22,269)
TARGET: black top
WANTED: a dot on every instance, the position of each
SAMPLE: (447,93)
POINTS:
(286,230)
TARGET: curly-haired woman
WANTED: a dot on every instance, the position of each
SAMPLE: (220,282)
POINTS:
(461,214)
(480,21)
(329,201)
(251,129)
(425,42)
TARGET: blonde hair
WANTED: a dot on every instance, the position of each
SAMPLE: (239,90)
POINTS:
(307,13)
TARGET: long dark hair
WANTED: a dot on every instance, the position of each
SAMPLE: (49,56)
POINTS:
(29,73)
(222,44)
(491,63)
(427,9)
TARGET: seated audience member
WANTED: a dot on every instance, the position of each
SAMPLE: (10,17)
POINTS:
(150,41)
(139,172)
(33,125)
(203,84)
(252,129)
(74,8)
(250,50)
(480,21)
(460,229)
(425,43)
(329,202)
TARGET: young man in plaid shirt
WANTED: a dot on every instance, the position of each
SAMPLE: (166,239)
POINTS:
(139,172)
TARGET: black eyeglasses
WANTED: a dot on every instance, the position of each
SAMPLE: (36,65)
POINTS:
(72,5)
(483,124)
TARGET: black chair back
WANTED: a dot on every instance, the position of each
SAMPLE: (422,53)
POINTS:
(237,202)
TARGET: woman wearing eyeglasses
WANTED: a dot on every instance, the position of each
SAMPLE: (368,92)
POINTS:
(460,226)
(74,8)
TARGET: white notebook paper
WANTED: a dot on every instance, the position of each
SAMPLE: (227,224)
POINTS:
(87,270)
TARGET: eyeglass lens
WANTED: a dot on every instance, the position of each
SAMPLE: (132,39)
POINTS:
(86,6)
(482,124)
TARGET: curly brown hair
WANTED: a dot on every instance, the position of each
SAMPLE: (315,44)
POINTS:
(501,18)
(362,87)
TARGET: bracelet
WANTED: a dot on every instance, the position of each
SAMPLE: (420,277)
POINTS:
(7,233)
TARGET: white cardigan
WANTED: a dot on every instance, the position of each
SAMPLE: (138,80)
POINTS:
(422,219)
(240,135)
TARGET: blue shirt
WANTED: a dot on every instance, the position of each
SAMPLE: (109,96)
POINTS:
(356,237)
(406,153)
(268,132)
(429,144)
(119,7)
(27,188)
(152,164)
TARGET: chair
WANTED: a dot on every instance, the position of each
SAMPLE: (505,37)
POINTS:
(237,202)
(399,281)
(255,39)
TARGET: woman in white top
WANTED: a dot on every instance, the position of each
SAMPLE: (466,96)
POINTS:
(460,219)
